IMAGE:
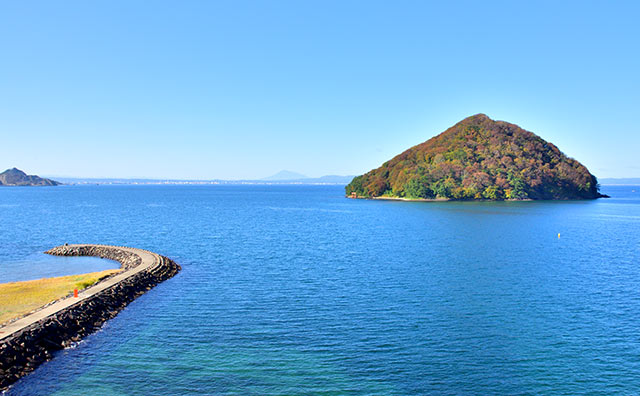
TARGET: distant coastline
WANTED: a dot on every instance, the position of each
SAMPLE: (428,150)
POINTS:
(628,181)
(342,181)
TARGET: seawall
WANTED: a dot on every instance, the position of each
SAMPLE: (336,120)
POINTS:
(32,340)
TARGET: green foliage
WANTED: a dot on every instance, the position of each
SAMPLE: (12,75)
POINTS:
(84,284)
(518,188)
(479,158)
(356,186)
(418,188)
(492,193)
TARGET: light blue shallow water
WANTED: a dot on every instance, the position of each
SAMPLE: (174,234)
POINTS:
(295,290)
(40,265)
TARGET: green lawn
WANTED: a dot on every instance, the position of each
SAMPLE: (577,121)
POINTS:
(19,298)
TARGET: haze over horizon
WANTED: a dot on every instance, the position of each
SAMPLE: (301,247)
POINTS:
(243,90)
(283,175)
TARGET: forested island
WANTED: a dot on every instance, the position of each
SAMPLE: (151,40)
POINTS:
(479,159)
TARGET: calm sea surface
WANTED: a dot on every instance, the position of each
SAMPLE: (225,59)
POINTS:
(291,290)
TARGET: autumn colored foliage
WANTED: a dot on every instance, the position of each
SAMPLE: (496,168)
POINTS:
(480,159)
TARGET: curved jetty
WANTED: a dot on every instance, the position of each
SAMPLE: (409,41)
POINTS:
(29,341)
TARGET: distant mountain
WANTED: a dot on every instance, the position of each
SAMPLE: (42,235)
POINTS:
(285,175)
(629,181)
(331,179)
(479,159)
(16,177)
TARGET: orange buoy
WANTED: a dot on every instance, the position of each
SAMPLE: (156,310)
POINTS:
(75,293)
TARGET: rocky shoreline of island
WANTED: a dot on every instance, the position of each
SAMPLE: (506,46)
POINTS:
(33,339)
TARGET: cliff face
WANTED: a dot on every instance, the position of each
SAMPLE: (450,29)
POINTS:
(479,158)
(16,177)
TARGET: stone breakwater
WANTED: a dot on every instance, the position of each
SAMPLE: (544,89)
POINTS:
(128,259)
(32,340)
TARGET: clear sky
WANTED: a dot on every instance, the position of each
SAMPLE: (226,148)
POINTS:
(235,89)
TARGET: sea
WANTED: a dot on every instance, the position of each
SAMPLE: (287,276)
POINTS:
(297,290)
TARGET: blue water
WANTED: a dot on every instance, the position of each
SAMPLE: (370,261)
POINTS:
(40,265)
(295,290)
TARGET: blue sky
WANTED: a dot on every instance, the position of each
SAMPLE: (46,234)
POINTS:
(204,89)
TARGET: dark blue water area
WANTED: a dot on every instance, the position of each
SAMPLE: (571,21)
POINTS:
(295,290)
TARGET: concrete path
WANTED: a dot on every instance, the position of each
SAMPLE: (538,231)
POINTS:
(148,260)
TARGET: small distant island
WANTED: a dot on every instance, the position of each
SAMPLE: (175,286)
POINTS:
(16,177)
(479,159)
